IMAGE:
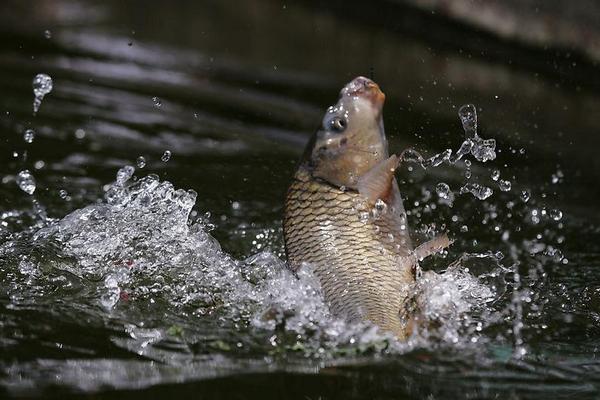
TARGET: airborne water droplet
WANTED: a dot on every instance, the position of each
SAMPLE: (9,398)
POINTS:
(166,156)
(140,162)
(124,174)
(443,190)
(29,135)
(157,102)
(495,174)
(525,196)
(47,34)
(42,85)
(468,116)
(504,185)
(26,181)
(479,191)
(556,214)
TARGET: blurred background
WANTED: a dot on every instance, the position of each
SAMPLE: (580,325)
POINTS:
(221,97)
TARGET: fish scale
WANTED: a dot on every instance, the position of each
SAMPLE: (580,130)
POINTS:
(359,265)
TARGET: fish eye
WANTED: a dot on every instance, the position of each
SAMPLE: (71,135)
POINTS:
(337,124)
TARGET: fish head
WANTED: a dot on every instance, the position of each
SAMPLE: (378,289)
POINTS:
(351,139)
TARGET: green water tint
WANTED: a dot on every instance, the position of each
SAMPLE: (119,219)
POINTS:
(173,280)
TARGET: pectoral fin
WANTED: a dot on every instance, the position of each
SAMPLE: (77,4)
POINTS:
(432,246)
(377,183)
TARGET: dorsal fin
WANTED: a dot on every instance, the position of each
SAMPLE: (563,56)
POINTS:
(377,182)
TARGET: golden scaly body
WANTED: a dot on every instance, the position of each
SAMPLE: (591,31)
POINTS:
(359,261)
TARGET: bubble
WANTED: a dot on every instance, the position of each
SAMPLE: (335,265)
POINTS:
(504,185)
(479,191)
(157,102)
(495,174)
(47,34)
(42,85)
(166,156)
(468,117)
(140,162)
(443,190)
(29,135)
(26,181)
(555,214)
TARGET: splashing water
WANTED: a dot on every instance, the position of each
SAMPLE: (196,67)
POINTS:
(479,191)
(26,182)
(141,246)
(29,135)
(42,85)
(140,162)
(468,117)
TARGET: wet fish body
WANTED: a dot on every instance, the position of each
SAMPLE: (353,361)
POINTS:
(344,214)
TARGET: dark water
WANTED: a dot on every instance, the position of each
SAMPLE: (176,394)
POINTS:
(132,297)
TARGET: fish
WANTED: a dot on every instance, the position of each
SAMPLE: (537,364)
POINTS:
(344,215)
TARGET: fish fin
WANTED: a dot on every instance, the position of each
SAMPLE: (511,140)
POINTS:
(432,246)
(377,183)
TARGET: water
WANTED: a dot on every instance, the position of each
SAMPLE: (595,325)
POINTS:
(42,85)
(124,274)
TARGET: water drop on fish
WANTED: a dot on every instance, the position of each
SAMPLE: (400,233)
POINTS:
(42,85)
(555,214)
(140,162)
(29,135)
(504,185)
(166,156)
(443,190)
(495,174)
(157,102)
(26,181)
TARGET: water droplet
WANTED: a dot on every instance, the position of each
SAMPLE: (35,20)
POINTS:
(443,190)
(479,191)
(79,133)
(468,116)
(140,162)
(525,196)
(29,135)
(124,174)
(464,228)
(166,156)
(483,149)
(504,185)
(556,214)
(157,102)
(63,194)
(47,34)
(42,85)
(26,181)
(495,174)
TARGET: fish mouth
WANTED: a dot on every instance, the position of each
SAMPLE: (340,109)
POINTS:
(367,89)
